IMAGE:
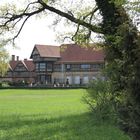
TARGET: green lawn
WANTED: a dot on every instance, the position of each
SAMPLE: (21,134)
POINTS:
(50,115)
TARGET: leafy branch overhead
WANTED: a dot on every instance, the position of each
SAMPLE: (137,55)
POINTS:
(10,18)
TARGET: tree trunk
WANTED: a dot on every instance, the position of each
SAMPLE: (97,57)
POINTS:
(123,57)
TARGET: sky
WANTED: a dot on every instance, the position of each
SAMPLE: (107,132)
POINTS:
(35,31)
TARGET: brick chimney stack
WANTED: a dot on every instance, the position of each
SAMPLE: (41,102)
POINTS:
(17,58)
(13,57)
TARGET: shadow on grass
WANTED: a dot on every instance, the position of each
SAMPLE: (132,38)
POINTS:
(74,127)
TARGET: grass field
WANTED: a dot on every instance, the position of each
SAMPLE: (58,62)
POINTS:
(50,115)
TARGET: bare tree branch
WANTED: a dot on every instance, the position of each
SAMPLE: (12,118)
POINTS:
(20,16)
(71,18)
(20,28)
(76,32)
(10,20)
(29,5)
(90,13)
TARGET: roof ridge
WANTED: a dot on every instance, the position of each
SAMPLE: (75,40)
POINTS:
(46,45)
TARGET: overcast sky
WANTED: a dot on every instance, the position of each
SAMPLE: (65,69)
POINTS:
(38,31)
(35,31)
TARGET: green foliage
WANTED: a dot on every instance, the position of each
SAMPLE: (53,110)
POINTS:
(4,84)
(100,99)
(3,61)
(124,61)
(19,83)
(81,38)
(119,2)
(123,51)
(51,115)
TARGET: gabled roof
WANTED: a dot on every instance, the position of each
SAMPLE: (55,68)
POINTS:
(13,64)
(71,53)
(76,53)
(28,64)
(47,51)
(10,68)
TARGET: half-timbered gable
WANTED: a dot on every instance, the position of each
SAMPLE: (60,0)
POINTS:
(58,64)
(68,61)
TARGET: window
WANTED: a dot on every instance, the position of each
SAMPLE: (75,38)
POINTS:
(37,66)
(42,79)
(49,67)
(57,68)
(85,80)
(68,67)
(75,67)
(35,56)
(97,66)
(20,68)
(77,79)
(85,66)
(42,66)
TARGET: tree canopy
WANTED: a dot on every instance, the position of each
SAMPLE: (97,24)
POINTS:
(86,17)
(3,61)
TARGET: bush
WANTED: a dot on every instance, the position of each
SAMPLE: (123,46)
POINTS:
(129,116)
(100,99)
(0,84)
(4,84)
(19,83)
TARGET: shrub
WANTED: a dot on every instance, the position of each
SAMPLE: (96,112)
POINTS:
(0,84)
(100,99)
(129,116)
(4,84)
(19,83)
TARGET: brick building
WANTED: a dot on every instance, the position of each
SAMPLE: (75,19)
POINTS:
(20,70)
(66,62)
(58,64)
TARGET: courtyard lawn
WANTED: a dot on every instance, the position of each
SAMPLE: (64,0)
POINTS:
(51,115)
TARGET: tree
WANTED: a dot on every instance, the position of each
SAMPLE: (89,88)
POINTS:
(123,53)
(3,61)
(122,41)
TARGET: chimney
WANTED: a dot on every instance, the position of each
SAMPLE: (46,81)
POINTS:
(13,57)
(17,58)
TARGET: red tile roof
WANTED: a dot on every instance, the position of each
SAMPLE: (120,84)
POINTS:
(48,51)
(27,63)
(13,64)
(71,53)
(75,53)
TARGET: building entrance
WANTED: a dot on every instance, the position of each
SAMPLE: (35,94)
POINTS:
(48,79)
(45,79)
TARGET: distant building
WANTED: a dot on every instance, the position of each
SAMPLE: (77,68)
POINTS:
(65,64)
(20,70)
